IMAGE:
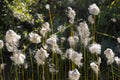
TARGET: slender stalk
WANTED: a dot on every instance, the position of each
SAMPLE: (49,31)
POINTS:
(63,66)
(43,77)
(73,66)
(47,72)
(104,34)
(112,72)
(45,68)
(2,61)
(118,71)
(96,76)
(16,73)
(38,72)
(32,66)
(57,76)
(1,76)
(22,73)
(93,40)
(87,64)
(26,73)
(94,29)
(92,75)
(52,62)
(65,70)
(85,59)
(51,22)
(108,73)
(61,63)
(99,72)
(3,64)
(71,30)
(92,33)
(71,34)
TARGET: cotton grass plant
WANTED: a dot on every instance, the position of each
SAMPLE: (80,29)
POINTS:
(44,52)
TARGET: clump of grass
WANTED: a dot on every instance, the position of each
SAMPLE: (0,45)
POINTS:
(49,59)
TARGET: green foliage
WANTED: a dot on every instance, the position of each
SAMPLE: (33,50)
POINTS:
(25,16)
(109,18)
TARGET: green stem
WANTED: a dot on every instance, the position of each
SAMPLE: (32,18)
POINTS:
(94,29)
(38,72)
(73,66)
(93,39)
(63,29)
(16,73)
(61,63)
(43,77)
(71,30)
(112,72)
(63,66)
(51,22)
(92,75)
(52,62)
(57,76)
(108,73)
(2,61)
(3,64)
(65,70)
(85,59)
(72,34)
(93,57)
(32,66)
(99,72)
(104,34)
(27,74)
(118,71)
(96,76)
(22,73)
(93,34)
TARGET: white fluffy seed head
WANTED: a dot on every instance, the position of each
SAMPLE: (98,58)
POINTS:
(45,29)
(94,9)
(12,37)
(60,28)
(114,20)
(95,48)
(18,58)
(47,6)
(84,33)
(73,40)
(52,43)
(94,67)
(91,19)
(12,40)
(117,60)
(63,39)
(109,55)
(74,75)
(99,61)
(71,14)
(34,38)
(2,66)
(1,44)
(74,56)
(52,40)
(40,56)
(118,39)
